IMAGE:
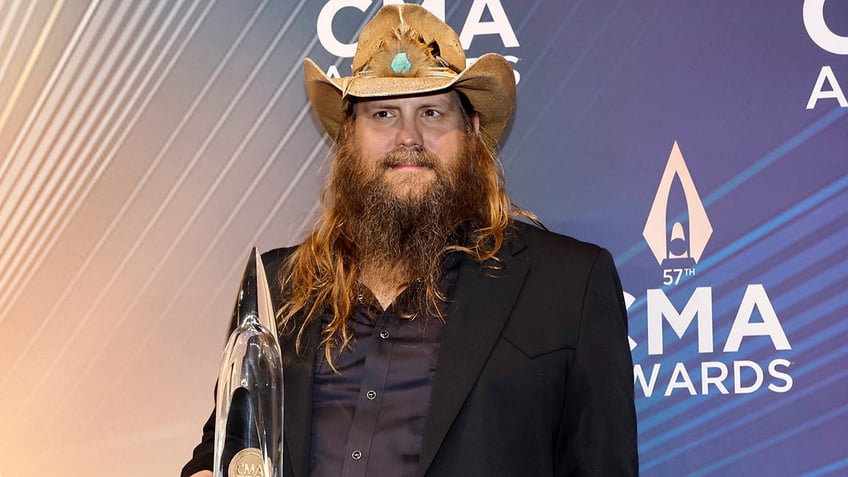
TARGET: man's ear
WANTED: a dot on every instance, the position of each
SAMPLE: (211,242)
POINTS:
(475,122)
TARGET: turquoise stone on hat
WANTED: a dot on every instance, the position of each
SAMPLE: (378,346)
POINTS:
(401,64)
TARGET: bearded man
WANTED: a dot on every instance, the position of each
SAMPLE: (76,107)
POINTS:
(425,330)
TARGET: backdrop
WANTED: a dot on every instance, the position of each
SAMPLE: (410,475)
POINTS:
(145,146)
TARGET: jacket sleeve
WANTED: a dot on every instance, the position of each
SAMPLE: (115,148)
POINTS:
(599,415)
(202,457)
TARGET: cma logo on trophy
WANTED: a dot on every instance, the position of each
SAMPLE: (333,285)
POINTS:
(678,244)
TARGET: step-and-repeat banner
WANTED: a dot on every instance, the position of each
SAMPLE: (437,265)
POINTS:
(147,145)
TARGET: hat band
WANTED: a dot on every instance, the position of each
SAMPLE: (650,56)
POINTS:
(399,64)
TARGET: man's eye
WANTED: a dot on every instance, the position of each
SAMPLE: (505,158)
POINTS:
(432,113)
(382,114)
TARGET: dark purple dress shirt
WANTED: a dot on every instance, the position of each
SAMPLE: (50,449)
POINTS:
(369,420)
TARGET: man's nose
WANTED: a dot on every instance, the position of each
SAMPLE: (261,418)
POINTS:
(409,134)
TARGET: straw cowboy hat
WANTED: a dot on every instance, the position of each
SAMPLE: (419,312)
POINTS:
(406,50)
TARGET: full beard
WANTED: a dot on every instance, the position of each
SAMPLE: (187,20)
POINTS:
(406,234)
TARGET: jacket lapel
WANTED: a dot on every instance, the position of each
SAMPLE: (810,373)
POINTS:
(297,396)
(482,303)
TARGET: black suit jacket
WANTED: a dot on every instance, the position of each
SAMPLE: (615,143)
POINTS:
(534,375)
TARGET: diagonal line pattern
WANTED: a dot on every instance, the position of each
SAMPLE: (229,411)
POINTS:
(108,283)
(122,128)
(42,37)
(30,127)
(124,131)
(201,205)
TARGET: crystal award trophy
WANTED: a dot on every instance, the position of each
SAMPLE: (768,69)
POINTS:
(249,400)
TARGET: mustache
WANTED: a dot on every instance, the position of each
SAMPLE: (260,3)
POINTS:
(408,157)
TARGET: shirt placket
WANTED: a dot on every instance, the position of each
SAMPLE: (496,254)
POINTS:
(374,375)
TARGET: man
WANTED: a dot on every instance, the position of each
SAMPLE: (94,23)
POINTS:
(424,330)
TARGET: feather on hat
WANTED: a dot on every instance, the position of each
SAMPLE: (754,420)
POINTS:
(406,50)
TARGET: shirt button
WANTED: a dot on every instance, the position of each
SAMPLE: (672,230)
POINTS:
(356,455)
(371,394)
(384,334)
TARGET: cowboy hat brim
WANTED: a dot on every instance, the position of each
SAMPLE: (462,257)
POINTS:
(489,84)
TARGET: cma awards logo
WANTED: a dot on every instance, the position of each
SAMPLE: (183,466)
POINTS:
(818,30)
(498,24)
(677,248)
(680,244)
